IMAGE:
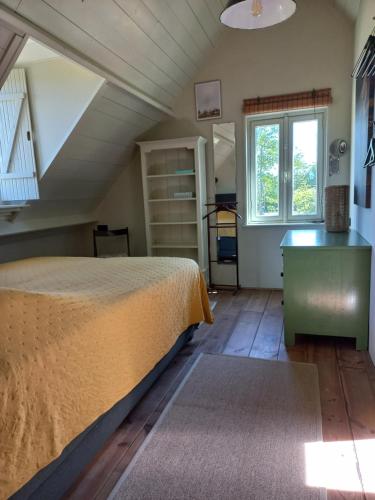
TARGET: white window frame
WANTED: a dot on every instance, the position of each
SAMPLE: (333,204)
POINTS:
(285,121)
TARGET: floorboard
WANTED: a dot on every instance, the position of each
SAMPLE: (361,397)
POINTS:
(242,338)
(267,341)
(360,402)
(298,353)
(250,323)
(257,300)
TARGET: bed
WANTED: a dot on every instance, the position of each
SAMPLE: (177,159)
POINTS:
(81,339)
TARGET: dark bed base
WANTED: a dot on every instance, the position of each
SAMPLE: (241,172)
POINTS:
(54,480)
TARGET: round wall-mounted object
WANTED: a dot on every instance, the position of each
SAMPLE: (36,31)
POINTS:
(338,147)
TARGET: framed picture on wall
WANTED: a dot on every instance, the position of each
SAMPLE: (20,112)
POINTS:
(208,100)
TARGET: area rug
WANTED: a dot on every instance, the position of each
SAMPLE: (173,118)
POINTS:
(235,429)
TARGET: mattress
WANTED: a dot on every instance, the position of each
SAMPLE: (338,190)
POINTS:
(76,336)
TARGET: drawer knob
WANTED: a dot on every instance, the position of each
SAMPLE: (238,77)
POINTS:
(282,275)
(282,302)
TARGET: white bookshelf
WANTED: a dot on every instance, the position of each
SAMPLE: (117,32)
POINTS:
(175,225)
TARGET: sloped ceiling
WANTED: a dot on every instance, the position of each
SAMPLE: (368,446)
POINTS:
(350,7)
(99,147)
(155,46)
(92,157)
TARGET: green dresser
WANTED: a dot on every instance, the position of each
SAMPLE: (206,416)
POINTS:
(326,284)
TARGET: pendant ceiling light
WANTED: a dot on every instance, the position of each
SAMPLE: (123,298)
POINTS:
(254,14)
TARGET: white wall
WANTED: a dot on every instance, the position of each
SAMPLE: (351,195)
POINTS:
(363,219)
(69,241)
(123,207)
(59,93)
(314,49)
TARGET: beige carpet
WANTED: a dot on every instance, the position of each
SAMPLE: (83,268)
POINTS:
(235,429)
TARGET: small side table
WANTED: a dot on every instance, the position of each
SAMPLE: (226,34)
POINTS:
(111,233)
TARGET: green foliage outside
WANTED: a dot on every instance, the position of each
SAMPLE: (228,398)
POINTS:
(267,161)
(267,176)
(304,186)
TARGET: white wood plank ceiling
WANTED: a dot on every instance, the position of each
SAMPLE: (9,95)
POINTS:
(156,46)
(95,153)
(99,146)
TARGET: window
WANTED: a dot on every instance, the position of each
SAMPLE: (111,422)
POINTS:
(285,167)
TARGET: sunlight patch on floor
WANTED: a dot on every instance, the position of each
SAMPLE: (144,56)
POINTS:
(366,457)
(334,466)
(213,304)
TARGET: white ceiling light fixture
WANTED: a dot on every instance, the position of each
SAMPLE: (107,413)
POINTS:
(255,14)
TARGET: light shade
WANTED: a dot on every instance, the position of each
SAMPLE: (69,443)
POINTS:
(254,14)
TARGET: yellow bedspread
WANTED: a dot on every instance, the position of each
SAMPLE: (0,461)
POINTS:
(76,336)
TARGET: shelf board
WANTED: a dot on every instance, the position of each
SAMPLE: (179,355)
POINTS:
(159,176)
(174,245)
(9,211)
(174,223)
(223,226)
(158,200)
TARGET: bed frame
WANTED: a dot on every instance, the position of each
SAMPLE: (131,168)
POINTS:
(52,482)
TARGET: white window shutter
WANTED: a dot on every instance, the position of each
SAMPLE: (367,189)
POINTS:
(18,179)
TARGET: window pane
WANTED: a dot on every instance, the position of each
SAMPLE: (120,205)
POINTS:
(305,168)
(267,168)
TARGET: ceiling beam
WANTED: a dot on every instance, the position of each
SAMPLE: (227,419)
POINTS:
(20,23)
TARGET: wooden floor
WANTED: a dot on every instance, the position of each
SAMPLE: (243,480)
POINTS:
(251,324)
